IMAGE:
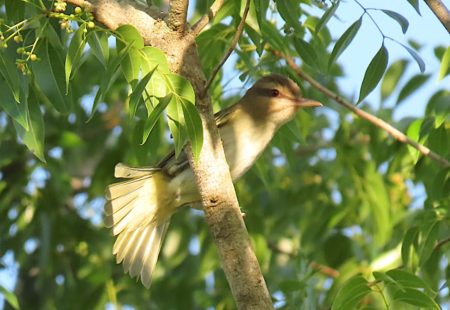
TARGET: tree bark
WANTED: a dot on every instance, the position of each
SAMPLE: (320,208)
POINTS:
(440,10)
(219,199)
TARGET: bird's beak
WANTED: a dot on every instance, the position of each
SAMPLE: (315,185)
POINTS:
(307,103)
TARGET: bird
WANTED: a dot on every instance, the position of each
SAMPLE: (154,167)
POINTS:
(139,208)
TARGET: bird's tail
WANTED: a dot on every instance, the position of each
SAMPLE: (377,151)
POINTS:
(138,210)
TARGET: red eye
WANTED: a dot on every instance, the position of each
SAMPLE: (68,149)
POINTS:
(274,92)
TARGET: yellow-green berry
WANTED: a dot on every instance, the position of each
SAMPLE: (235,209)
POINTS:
(78,10)
(91,25)
(33,57)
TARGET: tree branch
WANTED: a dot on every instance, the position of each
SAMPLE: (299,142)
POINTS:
(234,42)
(177,15)
(218,197)
(202,22)
(440,10)
(394,132)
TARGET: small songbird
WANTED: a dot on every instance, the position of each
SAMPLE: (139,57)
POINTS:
(139,209)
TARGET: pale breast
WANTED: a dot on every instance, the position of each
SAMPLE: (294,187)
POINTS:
(251,139)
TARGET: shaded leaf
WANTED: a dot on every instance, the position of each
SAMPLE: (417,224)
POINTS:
(11,75)
(415,297)
(400,19)
(351,293)
(74,53)
(374,73)
(306,52)
(326,17)
(413,84)
(193,127)
(392,77)
(136,95)
(290,12)
(34,137)
(415,5)
(409,254)
(152,119)
(344,41)
(16,110)
(98,41)
(416,57)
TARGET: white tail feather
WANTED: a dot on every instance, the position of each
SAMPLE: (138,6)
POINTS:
(139,211)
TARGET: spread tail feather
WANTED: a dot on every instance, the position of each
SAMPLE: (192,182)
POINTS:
(138,210)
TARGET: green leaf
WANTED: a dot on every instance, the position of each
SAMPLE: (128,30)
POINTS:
(11,75)
(273,36)
(128,35)
(194,127)
(413,132)
(261,7)
(326,17)
(74,53)
(374,73)
(49,76)
(391,78)
(409,254)
(136,95)
(351,293)
(415,5)
(290,11)
(18,111)
(427,246)
(153,57)
(34,137)
(152,119)
(10,297)
(109,77)
(306,52)
(180,87)
(98,41)
(413,84)
(415,297)
(416,57)
(407,280)
(400,19)
(344,41)
(445,64)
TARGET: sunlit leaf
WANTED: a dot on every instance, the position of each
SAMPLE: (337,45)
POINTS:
(445,64)
(344,41)
(10,297)
(374,73)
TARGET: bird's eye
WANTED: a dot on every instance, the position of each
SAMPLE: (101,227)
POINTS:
(274,92)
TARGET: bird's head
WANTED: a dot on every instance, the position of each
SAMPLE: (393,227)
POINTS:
(276,99)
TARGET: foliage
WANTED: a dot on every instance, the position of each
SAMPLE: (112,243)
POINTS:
(332,206)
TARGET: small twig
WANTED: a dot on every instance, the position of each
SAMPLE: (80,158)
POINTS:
(440,10)
(440,243)
(394,132)
(326,270)
(234,42)
(177,15)
(202,22)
